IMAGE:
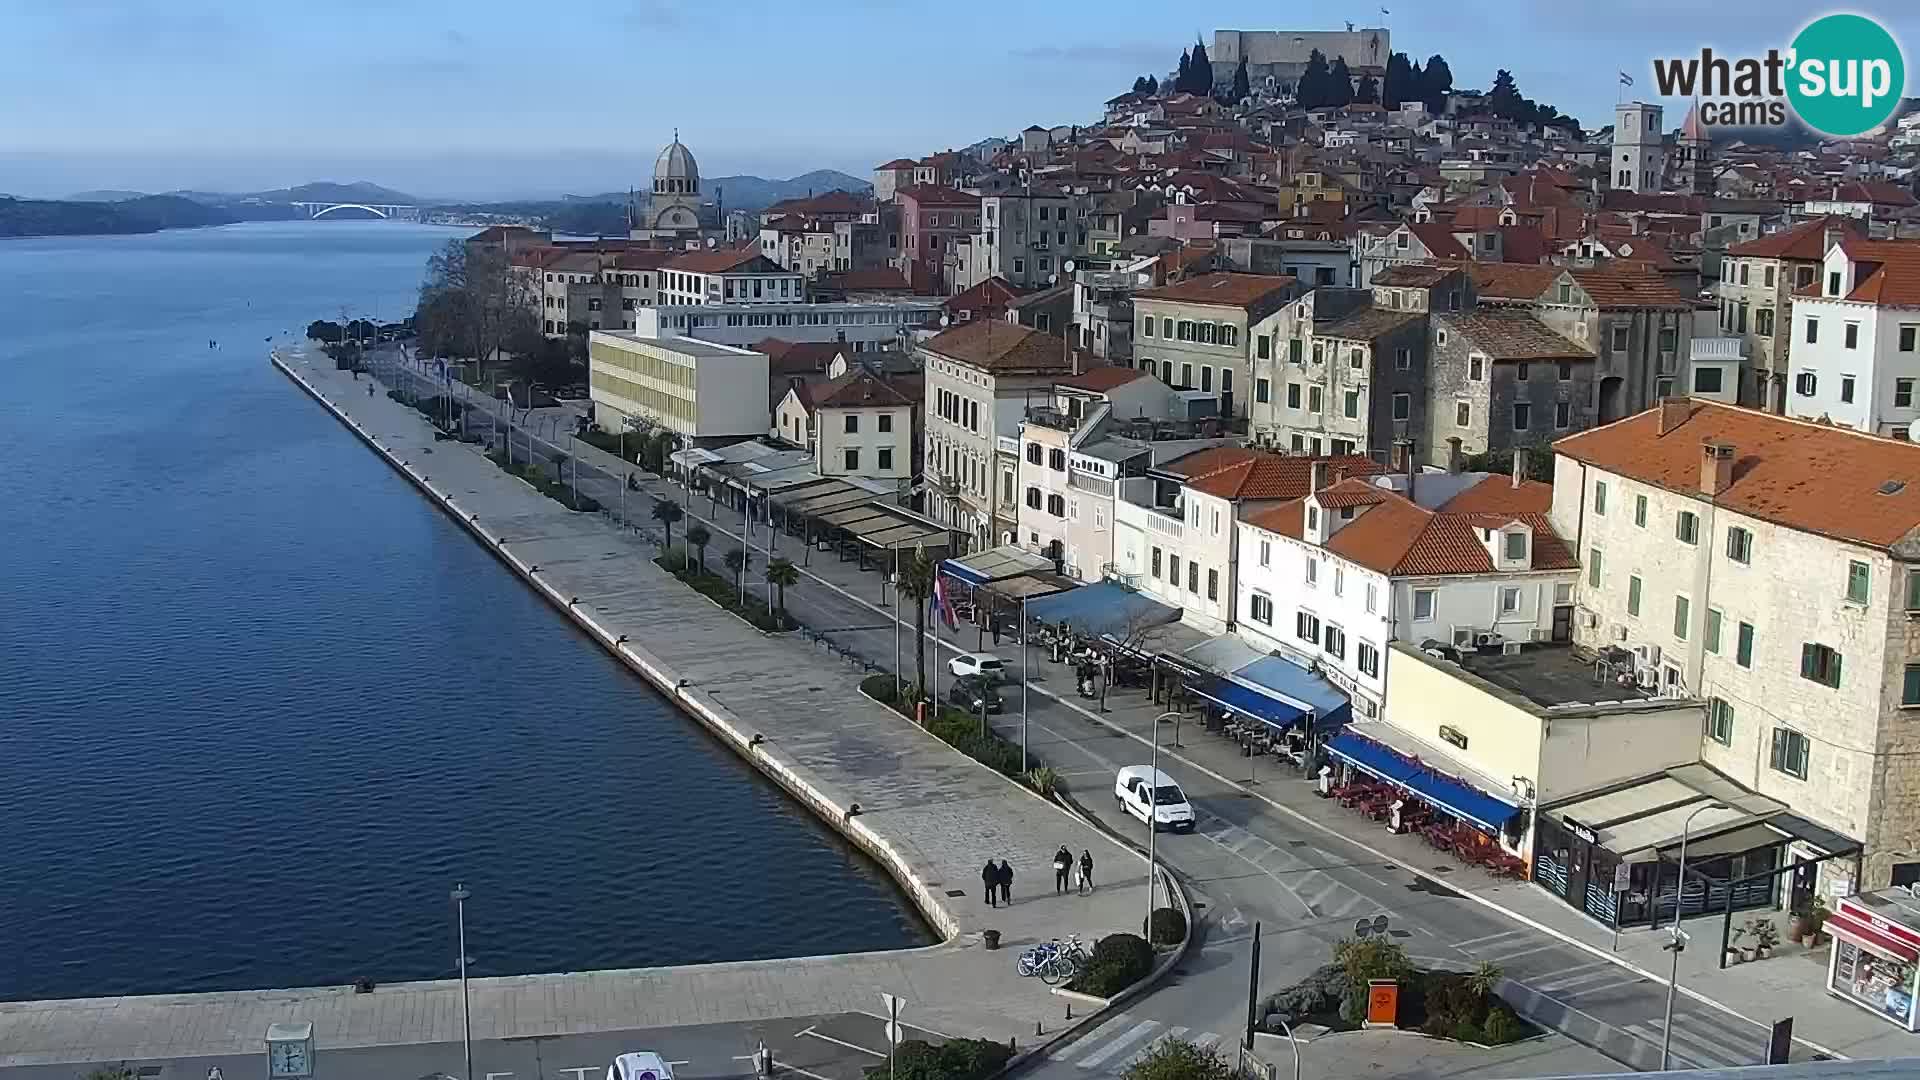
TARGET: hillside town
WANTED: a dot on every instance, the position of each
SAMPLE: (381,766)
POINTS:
(1578,465)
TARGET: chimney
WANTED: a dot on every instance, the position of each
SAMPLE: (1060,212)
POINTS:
(1316,475)
(1716,467)
(1831,236)
(1519,465)
(1405,448)
(1673,412)
(1456,461)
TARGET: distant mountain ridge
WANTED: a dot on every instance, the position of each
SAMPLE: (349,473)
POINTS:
(139,214)
(750,192)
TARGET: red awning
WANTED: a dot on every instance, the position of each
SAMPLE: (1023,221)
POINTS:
(1863,933)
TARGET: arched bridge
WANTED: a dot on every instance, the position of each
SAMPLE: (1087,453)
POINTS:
(381,210)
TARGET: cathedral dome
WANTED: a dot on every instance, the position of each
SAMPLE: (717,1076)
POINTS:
(676,173)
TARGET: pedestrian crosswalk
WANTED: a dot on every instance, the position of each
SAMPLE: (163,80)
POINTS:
(1125,1041)
(1701,1043)
(1298,868)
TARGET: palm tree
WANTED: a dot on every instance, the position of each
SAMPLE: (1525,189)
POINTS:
(916,580)
(666,512)
(698,538)
(738,561)
(780,574)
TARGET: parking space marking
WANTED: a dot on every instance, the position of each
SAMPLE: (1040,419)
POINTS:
(842,1042)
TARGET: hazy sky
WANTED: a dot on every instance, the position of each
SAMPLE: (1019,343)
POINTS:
(488,99)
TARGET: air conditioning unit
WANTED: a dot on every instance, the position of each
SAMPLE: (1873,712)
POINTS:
(1487,639)
(1648,679)
(1590,619)
(1646,656)
(1512,648)
(1540,633)
(1619,632)
(1463,637)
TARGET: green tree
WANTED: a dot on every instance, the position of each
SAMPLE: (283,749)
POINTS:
(1485,979)
(668,513)
(476,297)
(1436,83)
(738,561)
(916,580)
(781,573)
(1242,86)
(1181,78)
(1400,85)
(1368,92)
(1200,70)
(1178,1059)
(1504,99)
(1311,91)
(698,538)
(1153,85)
(1339,83)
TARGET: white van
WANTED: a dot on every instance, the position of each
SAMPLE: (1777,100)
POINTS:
(1139,787)
(642,1065)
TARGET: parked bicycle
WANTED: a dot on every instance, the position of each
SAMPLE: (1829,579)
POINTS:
(1055,961)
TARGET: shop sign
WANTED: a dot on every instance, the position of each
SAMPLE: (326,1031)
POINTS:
(1622,877)
(1581,831)
(1383,1002)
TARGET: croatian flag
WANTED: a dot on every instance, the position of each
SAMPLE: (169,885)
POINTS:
(942,603)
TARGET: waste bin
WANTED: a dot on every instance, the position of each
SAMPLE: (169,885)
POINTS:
(992,937)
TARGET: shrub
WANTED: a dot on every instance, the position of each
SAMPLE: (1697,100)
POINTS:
(1043,780)
(1502,1026)
(956,1059)
(1468,1031)
(1167,926)
(1368,958)
(1119,961)
(1178,1059)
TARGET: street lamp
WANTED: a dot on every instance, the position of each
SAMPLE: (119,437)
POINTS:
(1153,815)
(1678,943)
(1281,1019)
(1026,677)
(460,896)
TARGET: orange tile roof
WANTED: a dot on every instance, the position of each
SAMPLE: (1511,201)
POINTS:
(858,389)
(936,195)
(1103,378)
(721,261)
(1262,292)
(1512,281)
(1499,495)
(1806,241)
(1240,473)
(1001,347)
(1514,335)
(1627,284)
(1891,271)
(1805,476)
(1439,240)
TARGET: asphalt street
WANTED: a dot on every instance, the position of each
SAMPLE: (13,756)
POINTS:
(1248,862)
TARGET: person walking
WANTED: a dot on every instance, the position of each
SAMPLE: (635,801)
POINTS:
(990,877)
(1085,883)
(1062,862)
(1006,883)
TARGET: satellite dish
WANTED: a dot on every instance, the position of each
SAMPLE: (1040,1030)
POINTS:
(945,319)
(1053,279)
(1067,266)
(1913,431)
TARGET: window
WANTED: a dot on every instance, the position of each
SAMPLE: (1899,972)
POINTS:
(1336,643)
(1306,627)
(1565,371)
(1156,563)
(1820,664)
(1743,273)
(1600,498)
(1373,597)
(1593,568)
(1739,545)
(1790,752)
(1313,571)
(1260,606)
(1913,590)
(1173,570)
(1213,584)
(1813,330)
(1057,459)
(1403,359)
(1903,393)
(1057,505)
(1293,351)
(1523,371)
(853,460)
(1266,553)
(1910,685)
(1262,391)
(1720,722)
(1186,375)
(1350,404)
(853,423)
(1293,395)
(1516,546)
(1640,510)
(1339,580)
(1206,379)
(1713,631)
(1353,358)
(1313,399)
(886,459)
(1833,283)
(1033,498)
(1263,346)
(1619,343)
(1033,453)
(1686,527)
(1743,645)
(1846,389)
(1476,368)
(1369,658)
(1423,604)
(1146,326)
(1682,616)
(1859,582)
(1509,600)
(1402,406)
(1633,596)
(1462,414)
(1562,415)
(1706,380)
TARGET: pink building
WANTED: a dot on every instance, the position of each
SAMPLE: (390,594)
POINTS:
(932,220)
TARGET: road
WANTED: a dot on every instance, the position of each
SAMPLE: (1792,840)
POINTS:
(1253,859)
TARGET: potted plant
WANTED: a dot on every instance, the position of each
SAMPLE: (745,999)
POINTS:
(1816,919)
(1801,923)
(1736,954)
(1766,936)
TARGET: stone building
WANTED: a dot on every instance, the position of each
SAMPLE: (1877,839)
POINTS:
(673,205)
(1198,334)
(1755,292)
(1503,380)
(1277,58)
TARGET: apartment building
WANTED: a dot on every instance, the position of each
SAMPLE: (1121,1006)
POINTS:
(1756,292)
(1767,565)
(704,392)
(728,276)
(932,220)
(980,379)
(865,425)
(861,327)
(1466,559)
(1856,338)
(1026,238)
(1502,380)
(1198,334)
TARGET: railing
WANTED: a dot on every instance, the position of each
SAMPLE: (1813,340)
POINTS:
(1053,418)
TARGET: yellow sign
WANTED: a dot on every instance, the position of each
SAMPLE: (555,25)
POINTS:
(1383,1002)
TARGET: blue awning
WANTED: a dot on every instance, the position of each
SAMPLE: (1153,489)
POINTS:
(1468,803)
(1238,698)
(954,568)
(1101,608)
(1331,707)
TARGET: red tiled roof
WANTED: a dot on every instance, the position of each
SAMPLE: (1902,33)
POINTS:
(936,195)
(1512,281)
(1878,194)
(797,357)
(896,164)
(1514,335)
(992,294)
(1439,240)
(1001,347)
(1500,495)
(1398,537)
(859,389)
(1890,271)
(720,261)
(1246,291)
(1234,472)
(1103,378)
(1628,284)
(1806,476)
(1806,241)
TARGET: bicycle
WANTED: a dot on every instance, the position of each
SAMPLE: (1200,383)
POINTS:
(1058,968)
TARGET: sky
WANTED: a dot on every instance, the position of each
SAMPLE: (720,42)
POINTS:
(490,99)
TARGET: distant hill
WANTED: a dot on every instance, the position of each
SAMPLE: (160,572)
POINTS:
(109,195)
(142,214)
(750,192)
(360,191)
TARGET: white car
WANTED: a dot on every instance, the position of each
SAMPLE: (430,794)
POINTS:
(1139,787)
(978,663)
(641,1065)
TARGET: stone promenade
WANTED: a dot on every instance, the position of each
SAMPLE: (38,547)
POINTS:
(931,816)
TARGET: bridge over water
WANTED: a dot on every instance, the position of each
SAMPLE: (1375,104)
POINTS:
(390,211)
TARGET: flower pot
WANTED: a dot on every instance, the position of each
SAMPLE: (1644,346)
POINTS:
(1797,929)
(992,938)
(1734,956)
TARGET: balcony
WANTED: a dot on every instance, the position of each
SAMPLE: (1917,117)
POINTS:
(1053,418)
(1163,521)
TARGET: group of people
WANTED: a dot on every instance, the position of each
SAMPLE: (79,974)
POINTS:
(997,878)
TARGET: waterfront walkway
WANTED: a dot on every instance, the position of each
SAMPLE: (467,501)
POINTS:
(929,813)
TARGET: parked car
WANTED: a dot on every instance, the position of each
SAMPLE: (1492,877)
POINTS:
(1138,787)
(641,1065)
(970,691)
(977,664)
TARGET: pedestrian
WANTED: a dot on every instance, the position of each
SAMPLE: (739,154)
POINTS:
(1006,883)
(990,877)
(1062,862)
(1086,872)
(369,389)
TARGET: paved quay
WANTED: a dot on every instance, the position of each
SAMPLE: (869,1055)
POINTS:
(927,813)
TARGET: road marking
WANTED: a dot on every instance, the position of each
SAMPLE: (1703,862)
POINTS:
(1089,1038)
(1504,934)
(779,1066)
(1511,954)
(904,1024)
(1598,971)
(1139,1031)
(1580,992)
(1699,1053)
(1706,1033)
(843,1042)
(1140,1055)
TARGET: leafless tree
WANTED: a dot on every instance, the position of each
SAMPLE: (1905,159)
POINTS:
(1128,630)
(472,296)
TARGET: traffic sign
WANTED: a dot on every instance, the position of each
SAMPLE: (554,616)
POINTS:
(1622,877)
(894,1033)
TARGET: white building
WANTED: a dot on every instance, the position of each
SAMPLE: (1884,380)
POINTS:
(859,424)
(1470,561)
(729,276)
(1768,565)
(1639,160)
(1856,345)
(698,390)
(864,327)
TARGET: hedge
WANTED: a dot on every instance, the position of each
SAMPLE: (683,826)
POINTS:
(955,1059)
(956,728)
(721,591)
(1167,926)
(1119,961)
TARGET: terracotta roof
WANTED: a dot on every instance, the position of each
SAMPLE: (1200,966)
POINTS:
(859,389)
(1398,537)
(1253,293)
(1500,495)
(1439,240)
(1889,271)
(1369,323)
(720,261)
(1513,335)
(1512,281)
(994,292)
(1628,284)
(1001,347)
(1235,472)
(1353,492)
(1417,275)
(1103,378)
(1876,193)
(896,163)
(936,195)
(1806,241)
(1805,476)
(797,357)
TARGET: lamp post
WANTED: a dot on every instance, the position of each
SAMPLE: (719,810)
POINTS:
(1677,944)
(1153,815)
(460,895)
(1026,676)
